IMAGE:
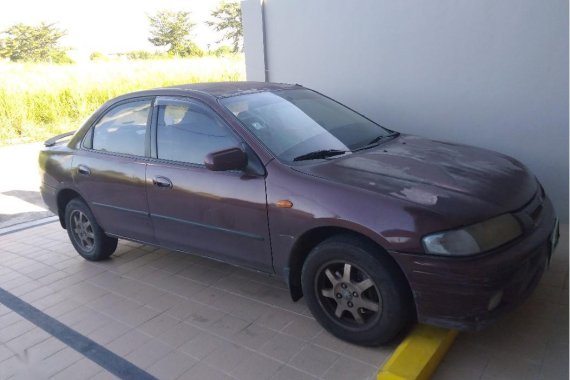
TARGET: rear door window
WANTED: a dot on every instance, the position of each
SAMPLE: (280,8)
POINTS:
(123,129)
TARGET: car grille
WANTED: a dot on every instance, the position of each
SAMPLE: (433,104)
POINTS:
(531,214)
(535,214)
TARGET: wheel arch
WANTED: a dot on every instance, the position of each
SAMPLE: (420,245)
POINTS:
(309,240)
(64,196)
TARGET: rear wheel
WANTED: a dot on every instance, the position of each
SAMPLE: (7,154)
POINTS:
(355,292)
(85,233)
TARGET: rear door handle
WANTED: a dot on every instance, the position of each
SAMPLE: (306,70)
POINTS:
(83,170)
(162,182)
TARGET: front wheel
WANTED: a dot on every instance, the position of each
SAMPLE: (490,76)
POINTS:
(85,233)
(355,292)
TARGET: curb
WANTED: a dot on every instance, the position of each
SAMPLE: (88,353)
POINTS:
(26,225)
(419,354)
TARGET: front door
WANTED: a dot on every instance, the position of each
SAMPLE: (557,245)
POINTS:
(218,214)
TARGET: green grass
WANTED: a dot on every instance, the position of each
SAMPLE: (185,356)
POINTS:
(38,101)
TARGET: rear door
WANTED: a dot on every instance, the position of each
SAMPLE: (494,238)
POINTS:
(110,169)
(218,214)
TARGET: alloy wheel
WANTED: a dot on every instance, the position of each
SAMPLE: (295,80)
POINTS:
(82,230)
(348,294)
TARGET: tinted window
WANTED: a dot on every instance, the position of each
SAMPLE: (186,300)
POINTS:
(187,131)
(123,129)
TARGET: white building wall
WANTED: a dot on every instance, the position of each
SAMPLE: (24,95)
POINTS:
(253,44)
(490,73)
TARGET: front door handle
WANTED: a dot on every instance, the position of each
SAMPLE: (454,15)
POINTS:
(162,182)
(83,170)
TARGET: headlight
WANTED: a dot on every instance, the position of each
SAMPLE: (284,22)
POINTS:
(473,239)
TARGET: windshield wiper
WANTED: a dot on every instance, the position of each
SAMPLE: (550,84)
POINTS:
(375,141)
(319,154)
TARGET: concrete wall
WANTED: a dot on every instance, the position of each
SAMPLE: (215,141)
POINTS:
(253,43)
(490,73)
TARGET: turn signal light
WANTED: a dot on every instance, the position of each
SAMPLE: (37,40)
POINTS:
(284,203)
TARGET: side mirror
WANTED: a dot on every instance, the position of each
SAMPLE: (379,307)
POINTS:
(227,159)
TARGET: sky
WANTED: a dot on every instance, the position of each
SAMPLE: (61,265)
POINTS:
(107,26)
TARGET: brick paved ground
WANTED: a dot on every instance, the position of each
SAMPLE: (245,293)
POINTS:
(176,316)
(180,316)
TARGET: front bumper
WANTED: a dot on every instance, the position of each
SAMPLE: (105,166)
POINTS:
(463,292)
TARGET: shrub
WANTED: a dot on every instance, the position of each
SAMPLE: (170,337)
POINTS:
(38,101)
(98,56)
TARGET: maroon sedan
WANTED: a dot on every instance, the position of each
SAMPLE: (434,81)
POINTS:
(375,228)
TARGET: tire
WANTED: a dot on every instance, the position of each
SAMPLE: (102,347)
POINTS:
(87,237)
(367,302)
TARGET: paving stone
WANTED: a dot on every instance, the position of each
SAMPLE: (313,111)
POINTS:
(92,322)
(226,326)
(201,345)
(128,342)
(205,316)
(15,330)
(276,318)
(256,367)
(314,360)
(104,375)
(24,342)
(158,324)
(172,366)
(165,301)
(148,353)
(555,363)
(183,309)
(63,307)
(84,292)
(346,368)
(202,371)
(290,373)
(82,369)
(146,293)
(303,328)
(201,274)
(227,357)
(8,319)
(59,361)
(108,332)
(5,352)
(45,349)
(374,356)
(249,310)
(282,347)
(510,366)
(253,336)
(178,334)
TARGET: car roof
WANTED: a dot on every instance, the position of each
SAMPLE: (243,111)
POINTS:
(226,89)
(211,90)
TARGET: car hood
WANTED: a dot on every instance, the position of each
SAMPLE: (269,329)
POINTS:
(444,177)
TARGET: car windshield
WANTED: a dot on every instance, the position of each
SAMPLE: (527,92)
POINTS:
(301,124)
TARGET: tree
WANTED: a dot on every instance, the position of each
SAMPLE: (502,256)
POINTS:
(170,28)
(98,56)
(222,50)
(228,20)
(191,49)
(29,43)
